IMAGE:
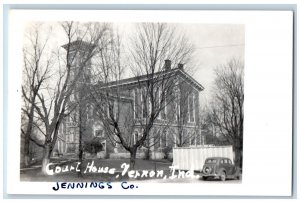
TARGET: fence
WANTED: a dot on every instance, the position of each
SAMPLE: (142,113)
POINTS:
(193,158)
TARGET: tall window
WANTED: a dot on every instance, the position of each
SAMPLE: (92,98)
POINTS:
(98,129)
(156,137)
(164,139)
(116,109)
(134,104)
(58,145)
(158,103)
(136,137)
(72,98)
(137,106)
(112,109)
(103,145)
(144,105)
(74,117)
(89,112)
(191,107)
(61,128)
(162,105)
(71,137)
(177,106)
(149,105)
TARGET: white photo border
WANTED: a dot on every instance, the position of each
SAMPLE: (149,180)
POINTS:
(251,48)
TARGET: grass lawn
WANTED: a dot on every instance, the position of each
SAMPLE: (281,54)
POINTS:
(34,174)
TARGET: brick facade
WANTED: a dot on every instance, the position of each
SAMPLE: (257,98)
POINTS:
(180,116)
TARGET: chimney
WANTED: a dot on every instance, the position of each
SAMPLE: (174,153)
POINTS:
(167,64)
(180,66)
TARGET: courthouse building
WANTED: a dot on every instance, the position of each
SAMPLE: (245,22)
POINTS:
(177,124)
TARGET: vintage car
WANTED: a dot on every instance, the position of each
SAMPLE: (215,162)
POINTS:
(220,167)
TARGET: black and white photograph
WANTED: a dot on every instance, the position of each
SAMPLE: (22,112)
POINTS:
(148,101)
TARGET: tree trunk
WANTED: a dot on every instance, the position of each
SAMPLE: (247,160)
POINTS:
(25,153)
(237,152)
(27,135)
(80,148)
(132,158)
(147,155)
(241,152)
(27,159)
(46,157)
(80,156)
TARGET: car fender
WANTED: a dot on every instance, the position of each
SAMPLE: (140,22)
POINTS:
(222,169)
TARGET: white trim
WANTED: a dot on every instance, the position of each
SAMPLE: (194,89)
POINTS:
(107,110)
(134,104)
(192,80)
(188,109)
(149,107)
(194,111)
(165,108)
(176,111)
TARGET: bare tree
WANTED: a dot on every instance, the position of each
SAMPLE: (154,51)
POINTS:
(53,101)
(227,112)
(36,71)
(182,137)
(152,90)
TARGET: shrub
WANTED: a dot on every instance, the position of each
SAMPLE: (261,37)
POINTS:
(93,146)
(166,151)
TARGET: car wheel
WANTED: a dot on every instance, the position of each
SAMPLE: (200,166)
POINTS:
(223,176)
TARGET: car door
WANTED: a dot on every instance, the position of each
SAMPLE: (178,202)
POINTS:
(223,165)
(230,167)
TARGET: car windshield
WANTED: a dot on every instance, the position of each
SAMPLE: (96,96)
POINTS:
(211,161)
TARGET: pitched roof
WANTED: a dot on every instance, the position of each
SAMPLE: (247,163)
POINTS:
(78,43)
(135,80)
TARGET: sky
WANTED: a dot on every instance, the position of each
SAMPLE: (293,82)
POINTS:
(215,44)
